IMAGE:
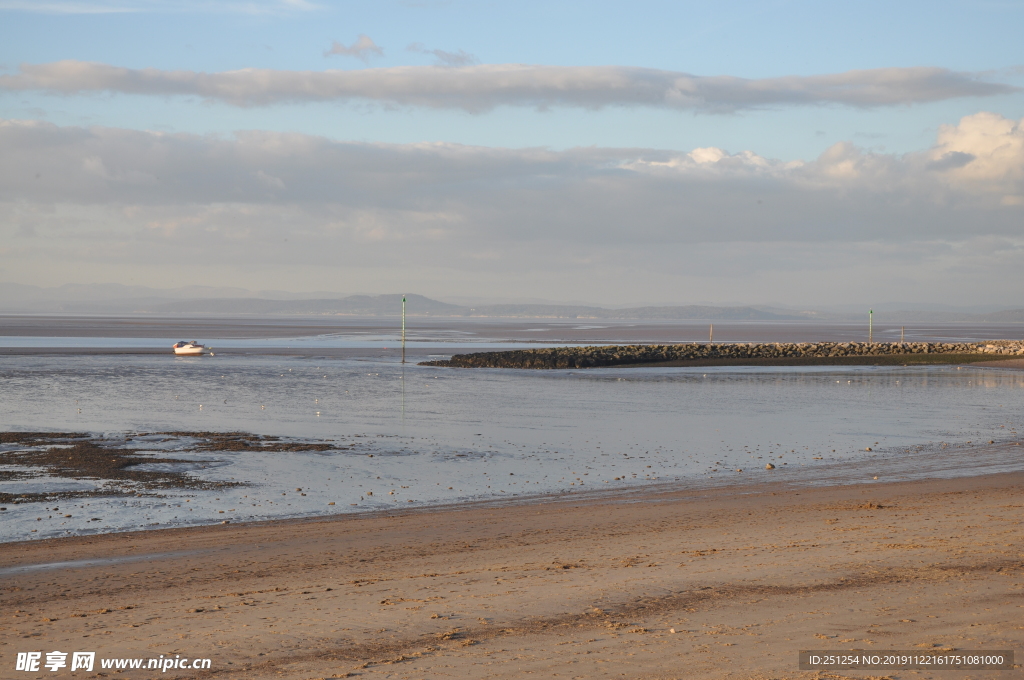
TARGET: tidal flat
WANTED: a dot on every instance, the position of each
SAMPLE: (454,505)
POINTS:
(127,442)
(302,503)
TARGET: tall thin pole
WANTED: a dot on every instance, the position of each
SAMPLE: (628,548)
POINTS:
(902,329)
(711,335)
(871,318)
(403,330)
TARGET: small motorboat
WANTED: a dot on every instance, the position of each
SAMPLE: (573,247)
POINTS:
(188,348)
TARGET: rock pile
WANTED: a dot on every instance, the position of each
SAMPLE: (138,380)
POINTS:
(617,355)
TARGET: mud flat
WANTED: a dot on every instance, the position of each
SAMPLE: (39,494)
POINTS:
(670,584)
(710,354)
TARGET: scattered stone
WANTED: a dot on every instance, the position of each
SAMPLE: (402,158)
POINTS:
(769,466)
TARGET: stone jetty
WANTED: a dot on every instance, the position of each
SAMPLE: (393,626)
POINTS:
(828,352)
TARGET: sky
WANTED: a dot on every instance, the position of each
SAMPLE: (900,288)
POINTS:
(797,153)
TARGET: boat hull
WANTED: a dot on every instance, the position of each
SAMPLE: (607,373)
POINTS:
(189,350)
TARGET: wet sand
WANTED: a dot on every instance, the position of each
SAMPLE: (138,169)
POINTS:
(1015,364)
(567,587)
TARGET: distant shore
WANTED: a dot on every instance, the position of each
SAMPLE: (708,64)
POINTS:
(758,354)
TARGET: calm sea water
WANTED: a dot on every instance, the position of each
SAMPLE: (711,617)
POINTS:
(441,436)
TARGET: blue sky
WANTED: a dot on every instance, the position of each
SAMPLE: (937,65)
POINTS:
(771,80)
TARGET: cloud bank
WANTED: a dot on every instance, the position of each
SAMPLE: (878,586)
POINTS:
(272,204)
(478,88)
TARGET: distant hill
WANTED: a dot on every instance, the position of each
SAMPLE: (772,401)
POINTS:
(1005,316)
(418,305)
(919,316)
(116,300)
(652,313)
(84,300)
(353,305)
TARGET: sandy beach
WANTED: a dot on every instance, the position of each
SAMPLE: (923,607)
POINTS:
(571,588)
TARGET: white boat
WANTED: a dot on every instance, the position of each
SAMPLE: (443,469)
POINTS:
(188,348)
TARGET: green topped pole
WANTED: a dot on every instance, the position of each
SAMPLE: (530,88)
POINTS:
(403,329)
(871,329)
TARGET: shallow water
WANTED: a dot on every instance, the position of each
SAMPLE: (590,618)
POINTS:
(491,434)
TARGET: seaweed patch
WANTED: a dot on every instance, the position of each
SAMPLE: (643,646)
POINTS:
(124,466)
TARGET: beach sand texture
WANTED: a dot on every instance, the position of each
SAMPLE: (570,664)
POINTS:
(562,588)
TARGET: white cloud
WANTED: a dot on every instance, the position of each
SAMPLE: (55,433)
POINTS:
(984,152)
(484,87)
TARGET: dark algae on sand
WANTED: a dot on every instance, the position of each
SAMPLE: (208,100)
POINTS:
(124,465)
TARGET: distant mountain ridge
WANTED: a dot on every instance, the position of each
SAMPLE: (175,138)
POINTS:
(418,305)
(116,299)
(14,295)
(651,313)
(378,305)
(919,316)
(353,305)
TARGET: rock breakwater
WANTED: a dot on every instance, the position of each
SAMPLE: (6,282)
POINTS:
(622,355)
